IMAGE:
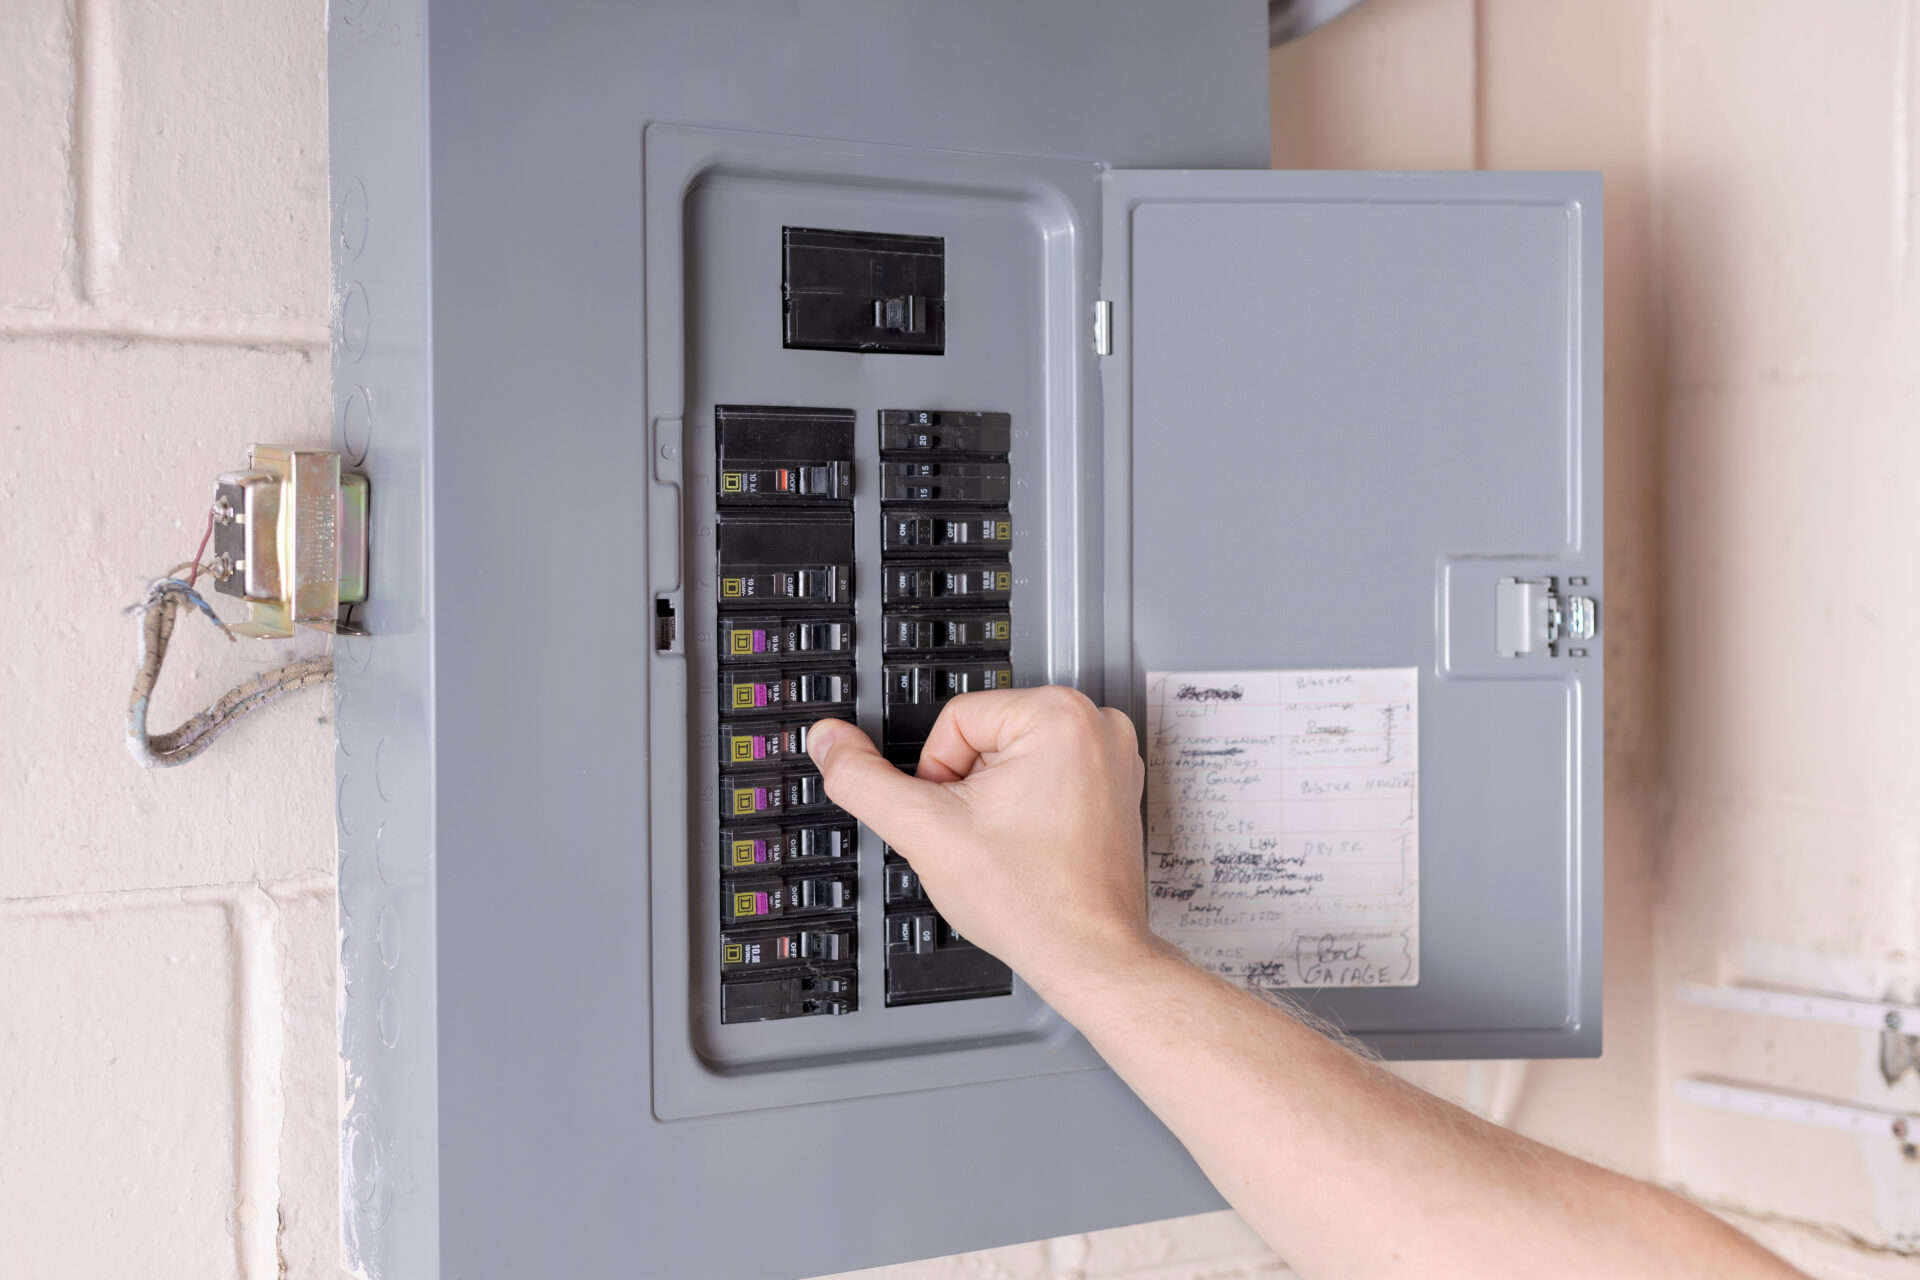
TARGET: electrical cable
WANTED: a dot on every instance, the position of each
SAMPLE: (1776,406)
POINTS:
(156,615)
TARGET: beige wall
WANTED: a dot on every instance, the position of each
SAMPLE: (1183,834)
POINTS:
(1790,321)
(166,941)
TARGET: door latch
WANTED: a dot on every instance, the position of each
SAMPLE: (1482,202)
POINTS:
(1535,615)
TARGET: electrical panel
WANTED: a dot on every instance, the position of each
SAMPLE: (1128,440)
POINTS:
(726,366)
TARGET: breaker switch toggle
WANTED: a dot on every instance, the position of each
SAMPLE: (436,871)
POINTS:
(901,315)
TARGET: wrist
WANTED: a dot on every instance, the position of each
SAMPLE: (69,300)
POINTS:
(1087,961)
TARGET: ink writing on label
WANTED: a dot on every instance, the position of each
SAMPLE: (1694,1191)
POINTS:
(1201,693)
(1352,959)
(1267,973)
(1283,824)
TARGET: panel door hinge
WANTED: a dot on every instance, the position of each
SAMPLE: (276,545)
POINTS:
(1535,615)
(1103,328)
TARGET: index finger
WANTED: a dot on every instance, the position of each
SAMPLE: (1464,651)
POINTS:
(974,724)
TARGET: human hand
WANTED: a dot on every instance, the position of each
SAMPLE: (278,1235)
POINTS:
(1022,822)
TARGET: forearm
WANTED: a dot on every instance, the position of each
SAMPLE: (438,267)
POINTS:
(1349,1171)
(1027,799)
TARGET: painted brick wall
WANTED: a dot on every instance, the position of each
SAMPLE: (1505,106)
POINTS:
(166,940)
(167,1074)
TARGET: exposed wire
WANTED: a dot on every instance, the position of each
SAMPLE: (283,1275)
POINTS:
(205,537)
(156,615)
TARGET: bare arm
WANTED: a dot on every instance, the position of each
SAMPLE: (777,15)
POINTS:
(1024,826)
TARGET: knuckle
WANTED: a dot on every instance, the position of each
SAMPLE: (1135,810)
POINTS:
(1059,700)
(953,705)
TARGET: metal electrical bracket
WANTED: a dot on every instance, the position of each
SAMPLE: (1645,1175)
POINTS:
(290,538)
(1777,1104)
(1898,1024)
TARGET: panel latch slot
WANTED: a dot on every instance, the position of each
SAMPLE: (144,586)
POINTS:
(664,527)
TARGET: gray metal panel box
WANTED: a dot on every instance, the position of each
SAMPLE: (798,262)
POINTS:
(557,250)
(1336,459)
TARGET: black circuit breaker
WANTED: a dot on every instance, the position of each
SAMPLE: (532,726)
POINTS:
(752,998)
(927,960)
(947,629)
(758,847)
(773,637)
(950,634)
(915,692)
(758,899)
(760,950)
(785,639)
(864,291)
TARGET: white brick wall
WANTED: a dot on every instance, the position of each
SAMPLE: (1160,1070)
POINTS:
(167,1076)
(37,102)
(166,940)
(121,1143)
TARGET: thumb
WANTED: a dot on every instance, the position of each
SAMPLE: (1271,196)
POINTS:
(864,783)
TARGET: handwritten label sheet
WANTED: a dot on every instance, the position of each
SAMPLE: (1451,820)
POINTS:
(1283,824)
